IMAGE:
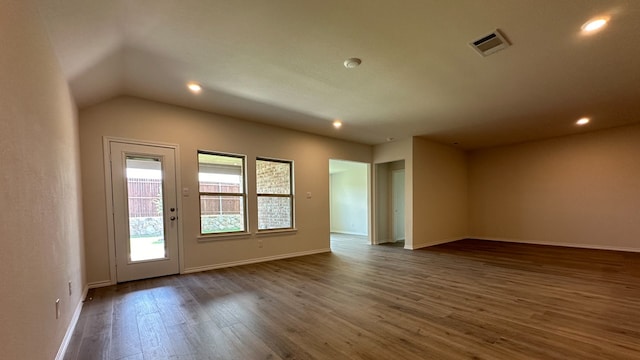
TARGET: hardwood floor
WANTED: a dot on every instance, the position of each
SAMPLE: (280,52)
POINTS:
(464,300)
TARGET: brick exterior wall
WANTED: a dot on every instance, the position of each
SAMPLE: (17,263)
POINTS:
(273,178)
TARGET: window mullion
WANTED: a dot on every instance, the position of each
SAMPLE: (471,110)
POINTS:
(221,194)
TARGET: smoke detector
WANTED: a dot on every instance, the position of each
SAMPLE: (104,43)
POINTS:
(352,63)
(490,43)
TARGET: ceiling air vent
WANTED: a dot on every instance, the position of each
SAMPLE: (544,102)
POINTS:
(490,43)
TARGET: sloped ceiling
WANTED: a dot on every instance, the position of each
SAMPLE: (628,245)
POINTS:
(280,62)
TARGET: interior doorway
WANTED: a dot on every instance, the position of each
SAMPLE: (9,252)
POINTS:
(142,180)
(390,222)
(349,199)
(397,200)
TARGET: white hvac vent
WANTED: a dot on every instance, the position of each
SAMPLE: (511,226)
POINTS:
(490,43)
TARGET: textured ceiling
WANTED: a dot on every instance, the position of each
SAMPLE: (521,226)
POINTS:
(280,62)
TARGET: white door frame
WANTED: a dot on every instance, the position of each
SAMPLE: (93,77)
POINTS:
(106,151)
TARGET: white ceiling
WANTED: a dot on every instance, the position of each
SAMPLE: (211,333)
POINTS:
(280,62)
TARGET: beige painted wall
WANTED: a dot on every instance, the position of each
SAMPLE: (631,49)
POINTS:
(39,189)
(440,193)
(581,190)
(135,118)
(350,200)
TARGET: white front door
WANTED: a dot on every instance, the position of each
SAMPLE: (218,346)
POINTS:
(145,212)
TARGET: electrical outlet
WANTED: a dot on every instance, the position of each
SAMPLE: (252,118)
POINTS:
(70,289)
(260,243)
(57,308)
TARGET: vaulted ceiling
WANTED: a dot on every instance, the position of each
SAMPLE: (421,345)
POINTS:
(281,62)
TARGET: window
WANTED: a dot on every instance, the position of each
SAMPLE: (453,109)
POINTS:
(223,196)
(274,180)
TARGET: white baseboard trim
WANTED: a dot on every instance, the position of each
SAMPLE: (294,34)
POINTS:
(72,326)
(552,243)
(424,245)
(384,241)
(388,242)
(98,284)
(253,261)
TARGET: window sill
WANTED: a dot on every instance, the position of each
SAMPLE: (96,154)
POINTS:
(223,236)
(276,232)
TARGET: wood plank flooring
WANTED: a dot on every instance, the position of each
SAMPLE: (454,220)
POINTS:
(464,300)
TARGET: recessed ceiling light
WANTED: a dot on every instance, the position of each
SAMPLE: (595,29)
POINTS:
(595,24)
(194,87)
(583,121)
(337,124)
(352,63)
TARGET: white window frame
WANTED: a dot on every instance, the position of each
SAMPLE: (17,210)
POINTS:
(242,195)
(291,194)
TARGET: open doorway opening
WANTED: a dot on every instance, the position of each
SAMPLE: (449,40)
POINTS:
(390,203)
(349,201)
(397,204)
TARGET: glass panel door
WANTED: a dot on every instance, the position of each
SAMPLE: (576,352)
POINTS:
(145,200)
(145,211)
